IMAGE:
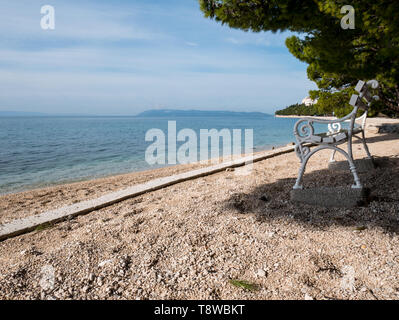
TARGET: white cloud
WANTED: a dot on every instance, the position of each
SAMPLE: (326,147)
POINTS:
(192,44)
(261,41)
(111,93)
(73,22)
(265,39)
(233,40)
(80,69)
(148,59)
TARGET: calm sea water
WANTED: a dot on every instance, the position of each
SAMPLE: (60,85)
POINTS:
(42,151)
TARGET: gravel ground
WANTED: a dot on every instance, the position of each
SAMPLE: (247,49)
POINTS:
(24,204)
(189,241)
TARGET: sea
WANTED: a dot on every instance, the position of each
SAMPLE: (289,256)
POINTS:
(37,152)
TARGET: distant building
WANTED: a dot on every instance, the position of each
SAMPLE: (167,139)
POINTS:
(308,101)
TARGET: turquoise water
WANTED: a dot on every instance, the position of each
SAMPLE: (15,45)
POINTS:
(42,151)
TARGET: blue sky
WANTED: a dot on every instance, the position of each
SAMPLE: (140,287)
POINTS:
(123,57)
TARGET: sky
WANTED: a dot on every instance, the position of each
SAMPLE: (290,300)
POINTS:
(121,57)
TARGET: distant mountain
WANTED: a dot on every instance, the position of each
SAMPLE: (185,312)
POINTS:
(167,113)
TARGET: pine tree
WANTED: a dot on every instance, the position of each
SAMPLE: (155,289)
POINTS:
(337,57)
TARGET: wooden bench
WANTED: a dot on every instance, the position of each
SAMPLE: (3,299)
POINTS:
(304,132)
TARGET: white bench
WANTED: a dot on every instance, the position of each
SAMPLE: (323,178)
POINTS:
(304,132)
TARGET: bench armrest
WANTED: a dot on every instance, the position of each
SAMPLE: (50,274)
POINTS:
(304,130)
(325,121)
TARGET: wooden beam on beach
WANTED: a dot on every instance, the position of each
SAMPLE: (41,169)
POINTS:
(24,225)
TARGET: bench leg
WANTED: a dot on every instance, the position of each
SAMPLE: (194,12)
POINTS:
(298,183)
(366,148)
(352,167)
(332,159)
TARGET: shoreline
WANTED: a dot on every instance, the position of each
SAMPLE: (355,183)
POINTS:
(30,223)
(38,200)
(102,151)
(145,171)
(370,120)
(299,117)
(35,201)
(37,187)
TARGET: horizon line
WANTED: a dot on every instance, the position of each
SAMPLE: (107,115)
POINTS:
(4,113)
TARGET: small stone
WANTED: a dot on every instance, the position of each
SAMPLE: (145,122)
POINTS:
(108,290)
(360,228)
(103,263)
(261,273)
(308,297)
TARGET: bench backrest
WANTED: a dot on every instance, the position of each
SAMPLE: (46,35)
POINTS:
(365,97)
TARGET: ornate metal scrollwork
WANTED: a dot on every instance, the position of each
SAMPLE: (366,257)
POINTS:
(334,127)
(304,132)
(303,129)
(373,84)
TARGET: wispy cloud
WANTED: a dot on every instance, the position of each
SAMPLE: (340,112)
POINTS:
(123,58)
(265,39)
(233,40)
(115,93)
(74,21)
(192,44)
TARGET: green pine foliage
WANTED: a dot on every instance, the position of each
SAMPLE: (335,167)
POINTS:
(298,110)
(336,58)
